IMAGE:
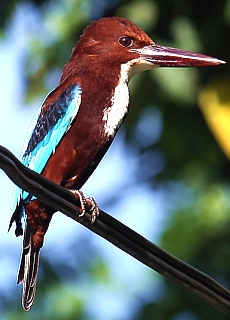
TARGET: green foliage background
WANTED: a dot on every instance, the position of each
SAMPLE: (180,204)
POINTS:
(184,161)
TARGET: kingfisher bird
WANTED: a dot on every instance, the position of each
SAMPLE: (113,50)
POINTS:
(79,119)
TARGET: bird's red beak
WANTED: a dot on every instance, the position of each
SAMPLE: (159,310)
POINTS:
(172,57)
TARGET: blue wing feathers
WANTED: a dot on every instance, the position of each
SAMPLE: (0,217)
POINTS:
(56,118)
(48,129)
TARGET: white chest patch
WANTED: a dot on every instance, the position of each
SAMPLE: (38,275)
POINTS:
(114,115)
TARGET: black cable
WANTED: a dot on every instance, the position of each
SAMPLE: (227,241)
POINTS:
(117,233)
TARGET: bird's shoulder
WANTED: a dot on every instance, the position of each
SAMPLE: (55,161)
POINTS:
(64,91)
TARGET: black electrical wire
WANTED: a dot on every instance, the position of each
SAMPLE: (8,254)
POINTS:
(117,233)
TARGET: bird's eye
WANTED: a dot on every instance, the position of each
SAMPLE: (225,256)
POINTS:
(125,41)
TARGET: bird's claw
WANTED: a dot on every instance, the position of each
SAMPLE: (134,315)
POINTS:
(93,208)
(84,202)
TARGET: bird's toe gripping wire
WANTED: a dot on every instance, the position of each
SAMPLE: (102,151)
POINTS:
(86,203)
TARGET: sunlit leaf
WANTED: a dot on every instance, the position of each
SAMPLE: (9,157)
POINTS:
(214,101)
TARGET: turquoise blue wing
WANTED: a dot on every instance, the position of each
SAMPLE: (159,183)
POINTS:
(44,135)
(50,128)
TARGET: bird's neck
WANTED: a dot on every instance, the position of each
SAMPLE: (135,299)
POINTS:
(105,94)
(114,115)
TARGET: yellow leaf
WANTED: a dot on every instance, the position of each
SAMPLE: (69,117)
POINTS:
(214,101)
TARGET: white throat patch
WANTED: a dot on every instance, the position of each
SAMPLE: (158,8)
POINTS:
(113,116)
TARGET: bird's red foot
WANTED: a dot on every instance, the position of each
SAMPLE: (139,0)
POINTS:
(84,202)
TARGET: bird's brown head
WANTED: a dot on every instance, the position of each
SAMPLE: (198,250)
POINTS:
(118,41)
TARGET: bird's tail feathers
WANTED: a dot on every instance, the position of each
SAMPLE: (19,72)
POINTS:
(28,270)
